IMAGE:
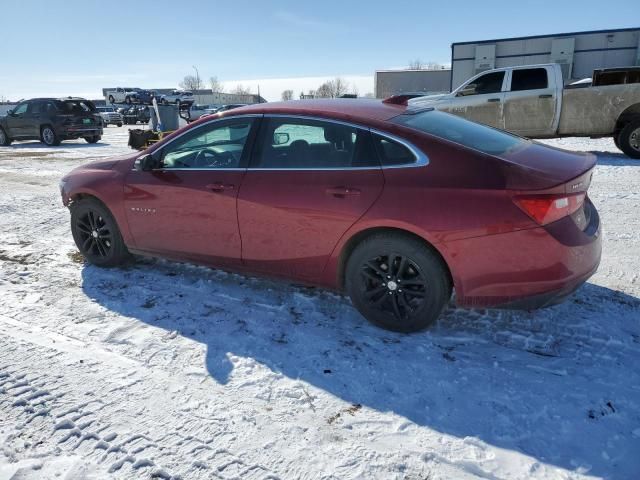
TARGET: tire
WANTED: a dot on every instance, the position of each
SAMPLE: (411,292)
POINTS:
(111,99)
(127,100)
(94,139)
(96,234)
(628,139)
(5,141)
(165,101)
(375,283)
(48,136)
(119,124)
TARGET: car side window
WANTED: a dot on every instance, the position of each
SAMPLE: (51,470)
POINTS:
(529,79)
(21,109)
(392,153)
(488,83)
(210,146)
(35,108)
(300,143)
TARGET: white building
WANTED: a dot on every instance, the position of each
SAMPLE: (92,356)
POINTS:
(579,53)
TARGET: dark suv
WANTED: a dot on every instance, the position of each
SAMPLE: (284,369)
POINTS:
(51,120)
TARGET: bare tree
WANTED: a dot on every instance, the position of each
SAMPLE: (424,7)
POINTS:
(333,88)
(418,64)
(324,91)
(216,85)
(241,90)
(191,82)
(287,95)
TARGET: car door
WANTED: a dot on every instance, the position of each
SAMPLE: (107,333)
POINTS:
(33,118)
(530,102)
(17,121)
(481,100)
(186,208)
(309,181)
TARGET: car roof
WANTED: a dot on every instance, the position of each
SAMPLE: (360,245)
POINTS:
(348,109)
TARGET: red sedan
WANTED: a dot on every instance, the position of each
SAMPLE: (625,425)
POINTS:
(394,204)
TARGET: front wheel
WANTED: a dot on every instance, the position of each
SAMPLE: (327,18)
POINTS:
(5,141)
(96,233)
(48,136)
(628,140)
(119,124)
(93,139)
(397,282)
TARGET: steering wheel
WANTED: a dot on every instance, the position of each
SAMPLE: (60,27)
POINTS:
(210,158)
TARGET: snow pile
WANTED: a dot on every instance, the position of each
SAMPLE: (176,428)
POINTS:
(162,370)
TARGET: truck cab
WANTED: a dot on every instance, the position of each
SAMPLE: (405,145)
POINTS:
(524,100)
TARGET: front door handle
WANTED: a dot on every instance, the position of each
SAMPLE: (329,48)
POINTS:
(545,95)
(493,100)
(220,187)
(342,192)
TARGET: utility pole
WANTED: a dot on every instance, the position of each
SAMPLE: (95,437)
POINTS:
(197,80)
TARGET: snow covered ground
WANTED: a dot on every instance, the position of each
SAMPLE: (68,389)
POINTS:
(163,370)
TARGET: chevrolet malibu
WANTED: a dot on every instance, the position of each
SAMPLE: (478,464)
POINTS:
(395,204)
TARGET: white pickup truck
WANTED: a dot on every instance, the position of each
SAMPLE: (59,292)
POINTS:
(532,101)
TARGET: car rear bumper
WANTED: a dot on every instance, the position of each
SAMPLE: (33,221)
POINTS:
(80,132)
(527,269)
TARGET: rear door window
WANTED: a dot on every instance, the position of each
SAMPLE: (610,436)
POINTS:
(529,79)
(300,143)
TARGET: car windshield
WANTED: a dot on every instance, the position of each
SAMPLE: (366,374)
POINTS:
(455,129)
(76,106)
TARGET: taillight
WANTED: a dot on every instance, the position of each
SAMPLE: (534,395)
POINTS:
(545,209)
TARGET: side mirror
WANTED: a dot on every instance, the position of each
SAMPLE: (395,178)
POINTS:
(10,113)
(280,138)
(145,163)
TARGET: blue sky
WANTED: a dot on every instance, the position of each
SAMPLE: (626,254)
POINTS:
(58,47)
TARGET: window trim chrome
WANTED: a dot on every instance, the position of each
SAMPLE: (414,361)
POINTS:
(422,159)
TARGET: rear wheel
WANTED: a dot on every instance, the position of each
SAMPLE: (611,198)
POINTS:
(5,141)
(111,99)
(94,139)
(96,233)
(628,139)
(397,282)
(48,136)
(119,124)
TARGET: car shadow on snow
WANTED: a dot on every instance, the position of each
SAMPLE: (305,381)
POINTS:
(64,145)
(615,159)
(559,384)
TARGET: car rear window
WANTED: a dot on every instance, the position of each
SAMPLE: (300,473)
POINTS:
(76,106)
(455,129)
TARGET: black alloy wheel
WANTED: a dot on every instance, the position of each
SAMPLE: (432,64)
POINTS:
(397,282)
(96,233)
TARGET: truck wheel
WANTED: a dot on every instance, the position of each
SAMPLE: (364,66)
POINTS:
(397,283)
(629,139)
(127,100)
(93,139)
(49,137)
(111,99)
(5,141)
(119,124)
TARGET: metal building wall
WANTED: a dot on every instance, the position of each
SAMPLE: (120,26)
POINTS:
(393,82)
(591,50)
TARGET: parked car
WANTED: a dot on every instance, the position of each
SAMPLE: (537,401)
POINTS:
(531,101)
(230,106)
(135,114)
(143,97)
(178,97)
(52,120)
(110,116)
(394,204)
(121,95)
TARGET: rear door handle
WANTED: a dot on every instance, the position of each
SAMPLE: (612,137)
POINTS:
(342,192)
(545,95)
(220,187)
(493,100)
